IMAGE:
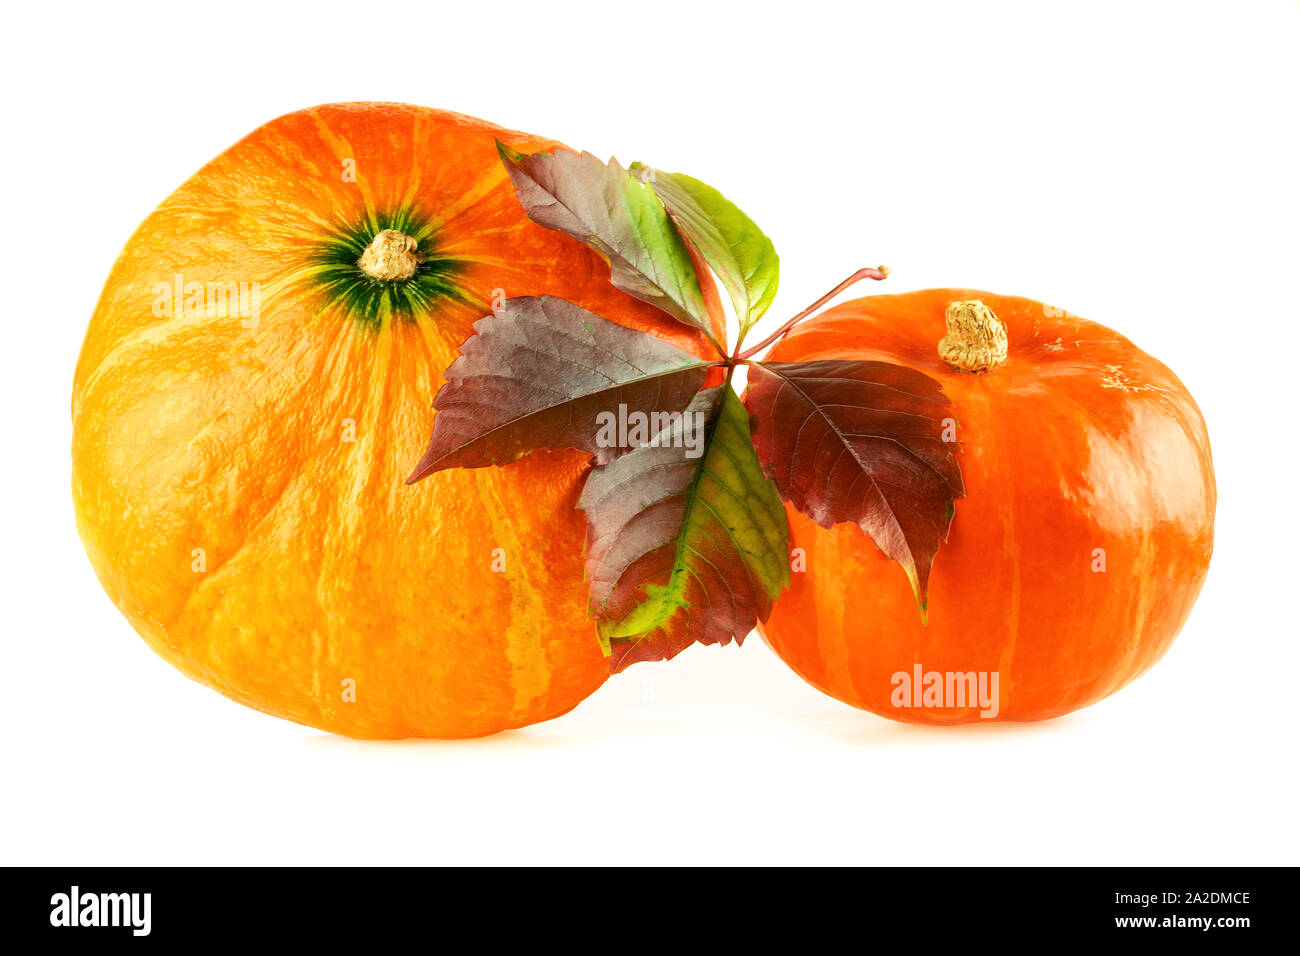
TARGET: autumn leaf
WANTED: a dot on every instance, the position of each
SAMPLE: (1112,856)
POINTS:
(861,441)
(610,210)
(684,549)
(687,538)
(542,373)
(734,247)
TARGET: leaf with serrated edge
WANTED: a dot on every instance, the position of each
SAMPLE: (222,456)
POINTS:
(538,373)
(683,549)
(736,249)
(605,207)
(861,441)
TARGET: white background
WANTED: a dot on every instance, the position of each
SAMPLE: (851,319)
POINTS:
(1136,163)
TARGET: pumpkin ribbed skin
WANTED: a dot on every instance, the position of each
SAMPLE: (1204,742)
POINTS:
(273,458)
(1079,442)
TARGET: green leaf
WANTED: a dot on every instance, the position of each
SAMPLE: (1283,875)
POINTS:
(610,210)
(684,549)
(734,247)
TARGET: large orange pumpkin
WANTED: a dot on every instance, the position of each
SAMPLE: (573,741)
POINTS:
(257,383)
(1081,544)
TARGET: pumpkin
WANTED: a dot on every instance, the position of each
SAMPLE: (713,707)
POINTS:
(255,387)
(1074,558)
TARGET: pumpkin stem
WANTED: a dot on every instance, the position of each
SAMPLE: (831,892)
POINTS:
(976,339)
(391,256)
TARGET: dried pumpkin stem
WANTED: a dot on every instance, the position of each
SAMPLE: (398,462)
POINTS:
(976,339)
(391,256)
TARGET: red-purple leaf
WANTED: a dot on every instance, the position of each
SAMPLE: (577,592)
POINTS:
(610,210)
(545,373)
(683,549)
(862,442)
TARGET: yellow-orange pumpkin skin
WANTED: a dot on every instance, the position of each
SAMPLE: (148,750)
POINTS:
(1076,555)
(239,478)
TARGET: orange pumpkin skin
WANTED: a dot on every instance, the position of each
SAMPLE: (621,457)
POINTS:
(240,491)
(1079,442)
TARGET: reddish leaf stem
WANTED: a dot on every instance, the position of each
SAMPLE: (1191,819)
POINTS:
(877,273)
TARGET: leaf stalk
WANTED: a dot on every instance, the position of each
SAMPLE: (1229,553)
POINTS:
(877,272)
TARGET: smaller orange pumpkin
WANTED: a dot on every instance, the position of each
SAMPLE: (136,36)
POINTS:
(1076,555)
